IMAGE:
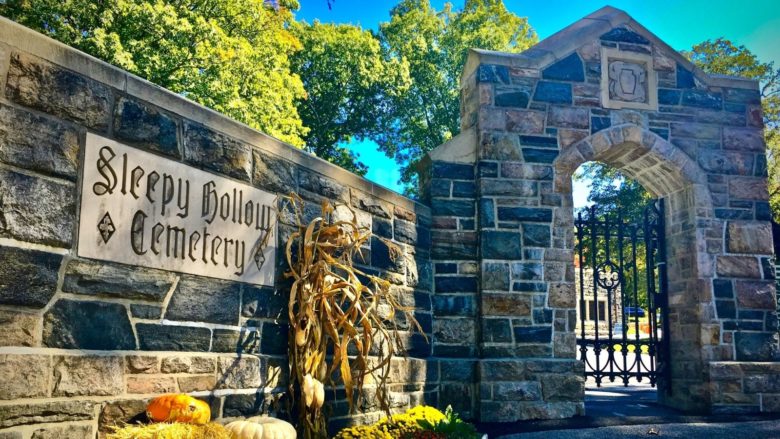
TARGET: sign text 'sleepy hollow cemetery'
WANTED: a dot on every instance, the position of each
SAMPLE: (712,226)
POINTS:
(141,209)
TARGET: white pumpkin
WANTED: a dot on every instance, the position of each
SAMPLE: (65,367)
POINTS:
(262,427)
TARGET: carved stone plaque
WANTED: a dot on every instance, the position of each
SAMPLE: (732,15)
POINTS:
(141,209)
(628,80)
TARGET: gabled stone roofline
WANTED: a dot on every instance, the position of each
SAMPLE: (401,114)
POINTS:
(589,28)
(15,36)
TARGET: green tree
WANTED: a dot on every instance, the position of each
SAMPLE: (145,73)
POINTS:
(721,56)
(348,78)
(435,45)
(230,55)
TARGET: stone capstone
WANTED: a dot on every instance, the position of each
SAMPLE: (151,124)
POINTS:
(71,324)
(105,279)
(76,375)
(27,277)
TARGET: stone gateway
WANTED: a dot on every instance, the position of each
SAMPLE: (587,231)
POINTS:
(140,253)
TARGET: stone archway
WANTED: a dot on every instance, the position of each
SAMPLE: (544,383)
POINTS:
(666,172)
(607,89)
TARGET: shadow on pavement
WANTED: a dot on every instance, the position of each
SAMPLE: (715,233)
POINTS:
(615,405)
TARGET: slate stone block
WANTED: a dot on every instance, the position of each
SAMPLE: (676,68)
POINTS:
(495,276)
(37,143)
(741,95)
(71,324)
(146,126)
(263,302)
(37,84)
(27,277)
(598,123)
(702,99)
(453,305)
(405,231)
(145,311)
(273,173)
(381,257)
(553,92)
(515,99)
(462,208)
(153,337)
(217,152)
(723,288)
(524,214)
(487,216)
(488,169)
(567,69)
(624,35)
(455,284)
(685,77)
(540,141)
(382,227)
(726,309)
(496,331)
(493,74)
(114,280)
(536,235)
(533,334)
(463,189)
(197,299)
(501,245)
(755,346)
(49,220)
(327,187)
(453,171)
(669,96)
(440,188)
(535,155)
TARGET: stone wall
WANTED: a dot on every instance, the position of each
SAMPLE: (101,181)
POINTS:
(83,343)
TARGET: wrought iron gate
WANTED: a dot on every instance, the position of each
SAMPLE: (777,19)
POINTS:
(621,279)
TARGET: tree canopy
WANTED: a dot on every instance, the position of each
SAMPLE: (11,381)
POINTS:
(229,55)
(435,44)
(349,79)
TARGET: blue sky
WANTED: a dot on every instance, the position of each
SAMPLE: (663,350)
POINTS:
(681,23)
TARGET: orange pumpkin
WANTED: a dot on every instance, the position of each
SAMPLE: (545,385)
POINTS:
(178,408)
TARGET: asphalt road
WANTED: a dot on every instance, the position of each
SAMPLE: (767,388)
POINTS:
(617,411)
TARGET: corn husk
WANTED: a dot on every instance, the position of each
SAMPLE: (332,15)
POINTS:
(338,309)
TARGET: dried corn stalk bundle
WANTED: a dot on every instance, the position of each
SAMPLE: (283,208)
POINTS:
(342,320)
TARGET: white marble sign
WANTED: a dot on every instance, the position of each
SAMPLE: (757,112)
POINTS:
(141,209)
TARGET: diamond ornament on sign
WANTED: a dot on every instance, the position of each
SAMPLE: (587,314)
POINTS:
(106,227)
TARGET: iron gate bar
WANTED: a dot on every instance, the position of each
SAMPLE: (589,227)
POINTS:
(609,274)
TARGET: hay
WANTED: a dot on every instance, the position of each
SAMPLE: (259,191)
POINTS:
(171,431)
